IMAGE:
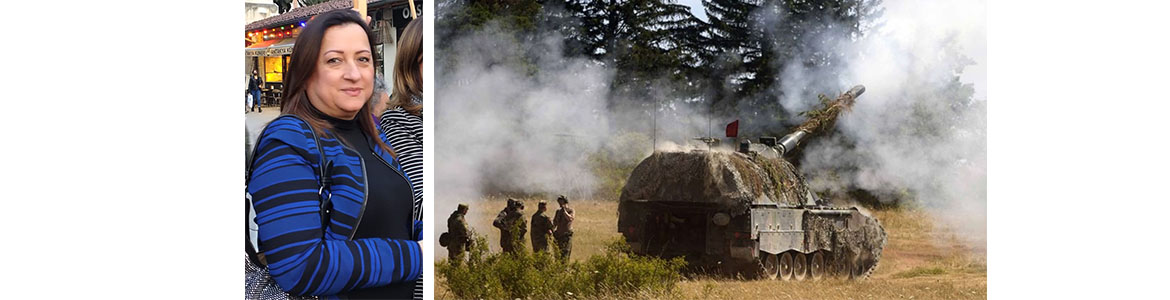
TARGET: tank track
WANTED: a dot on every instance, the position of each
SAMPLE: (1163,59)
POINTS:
(862,244)
(872,240)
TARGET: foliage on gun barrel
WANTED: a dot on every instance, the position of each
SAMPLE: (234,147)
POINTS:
(826,117)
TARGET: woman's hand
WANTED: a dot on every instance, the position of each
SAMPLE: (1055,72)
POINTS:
(363,14)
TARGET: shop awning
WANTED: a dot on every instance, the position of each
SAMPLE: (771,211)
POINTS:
(281,48)
(271,47)
(258,49)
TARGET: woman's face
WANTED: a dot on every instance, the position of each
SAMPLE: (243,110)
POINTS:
(344,79)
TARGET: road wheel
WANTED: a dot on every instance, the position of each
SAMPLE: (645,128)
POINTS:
(816,267)
(851,268)
(833,268)
(771,266)
(785,266)
(799,266)
(859,268)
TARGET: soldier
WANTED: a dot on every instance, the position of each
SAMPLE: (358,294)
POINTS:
(512,226)
(458,239)
(541,228)
(564,227)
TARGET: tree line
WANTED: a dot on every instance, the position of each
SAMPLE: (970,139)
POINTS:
(730,60)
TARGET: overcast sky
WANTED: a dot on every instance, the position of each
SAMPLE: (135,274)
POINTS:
(696,8)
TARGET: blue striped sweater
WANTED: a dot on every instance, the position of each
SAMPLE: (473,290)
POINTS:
(303,257)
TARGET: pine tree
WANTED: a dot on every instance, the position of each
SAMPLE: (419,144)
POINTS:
(750,43)
(813,31)
(734,53)
(645,41)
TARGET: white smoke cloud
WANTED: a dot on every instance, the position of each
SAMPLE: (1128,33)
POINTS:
(915,135)
(500,129)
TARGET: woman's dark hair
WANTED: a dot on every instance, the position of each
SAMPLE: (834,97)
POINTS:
(407,76)
(303,64)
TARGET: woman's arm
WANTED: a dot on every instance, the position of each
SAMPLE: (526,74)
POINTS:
(300,259)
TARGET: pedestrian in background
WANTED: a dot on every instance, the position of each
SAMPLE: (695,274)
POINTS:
(254,88)
(381,98)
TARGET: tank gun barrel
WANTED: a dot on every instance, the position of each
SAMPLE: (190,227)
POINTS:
(820,120)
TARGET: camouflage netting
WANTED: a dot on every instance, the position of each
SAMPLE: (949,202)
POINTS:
(730,179)
(864,241)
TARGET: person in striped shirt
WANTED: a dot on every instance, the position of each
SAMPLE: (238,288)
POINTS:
(402,122)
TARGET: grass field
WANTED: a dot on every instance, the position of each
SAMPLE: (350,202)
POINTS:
(918,262)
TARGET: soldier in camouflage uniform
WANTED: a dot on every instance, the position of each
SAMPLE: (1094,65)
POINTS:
(459,239)
(563,231)
(512,226)
(541,228)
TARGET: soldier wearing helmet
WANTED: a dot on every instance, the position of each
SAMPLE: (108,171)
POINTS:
(512,226)
(457,239)
(563,231)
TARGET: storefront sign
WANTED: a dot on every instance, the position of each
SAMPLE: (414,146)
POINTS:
(401,14)
(278,51)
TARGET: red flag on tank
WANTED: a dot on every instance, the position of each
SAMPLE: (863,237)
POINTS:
(733,129)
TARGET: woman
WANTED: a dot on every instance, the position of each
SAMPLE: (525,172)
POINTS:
(351,232)
(402,123)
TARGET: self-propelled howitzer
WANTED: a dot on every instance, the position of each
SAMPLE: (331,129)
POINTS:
(747,212)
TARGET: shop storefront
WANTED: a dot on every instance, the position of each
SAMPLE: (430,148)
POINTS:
(270,58)
(390,19)
(269,42)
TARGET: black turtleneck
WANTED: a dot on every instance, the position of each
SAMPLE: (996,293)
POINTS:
(389,203)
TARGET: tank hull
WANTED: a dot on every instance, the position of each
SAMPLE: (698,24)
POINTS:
(750,211)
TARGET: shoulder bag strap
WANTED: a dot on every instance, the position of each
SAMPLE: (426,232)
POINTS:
(251,229)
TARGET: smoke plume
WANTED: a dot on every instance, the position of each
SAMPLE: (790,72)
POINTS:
(918,134)
(499,129)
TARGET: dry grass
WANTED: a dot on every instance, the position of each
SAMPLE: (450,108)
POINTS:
(918,262)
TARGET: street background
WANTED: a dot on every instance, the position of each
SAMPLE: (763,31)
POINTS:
(254,122)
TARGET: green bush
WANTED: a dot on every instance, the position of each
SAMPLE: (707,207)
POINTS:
(527,275)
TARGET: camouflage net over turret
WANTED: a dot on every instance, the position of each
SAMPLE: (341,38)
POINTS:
(731,179)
